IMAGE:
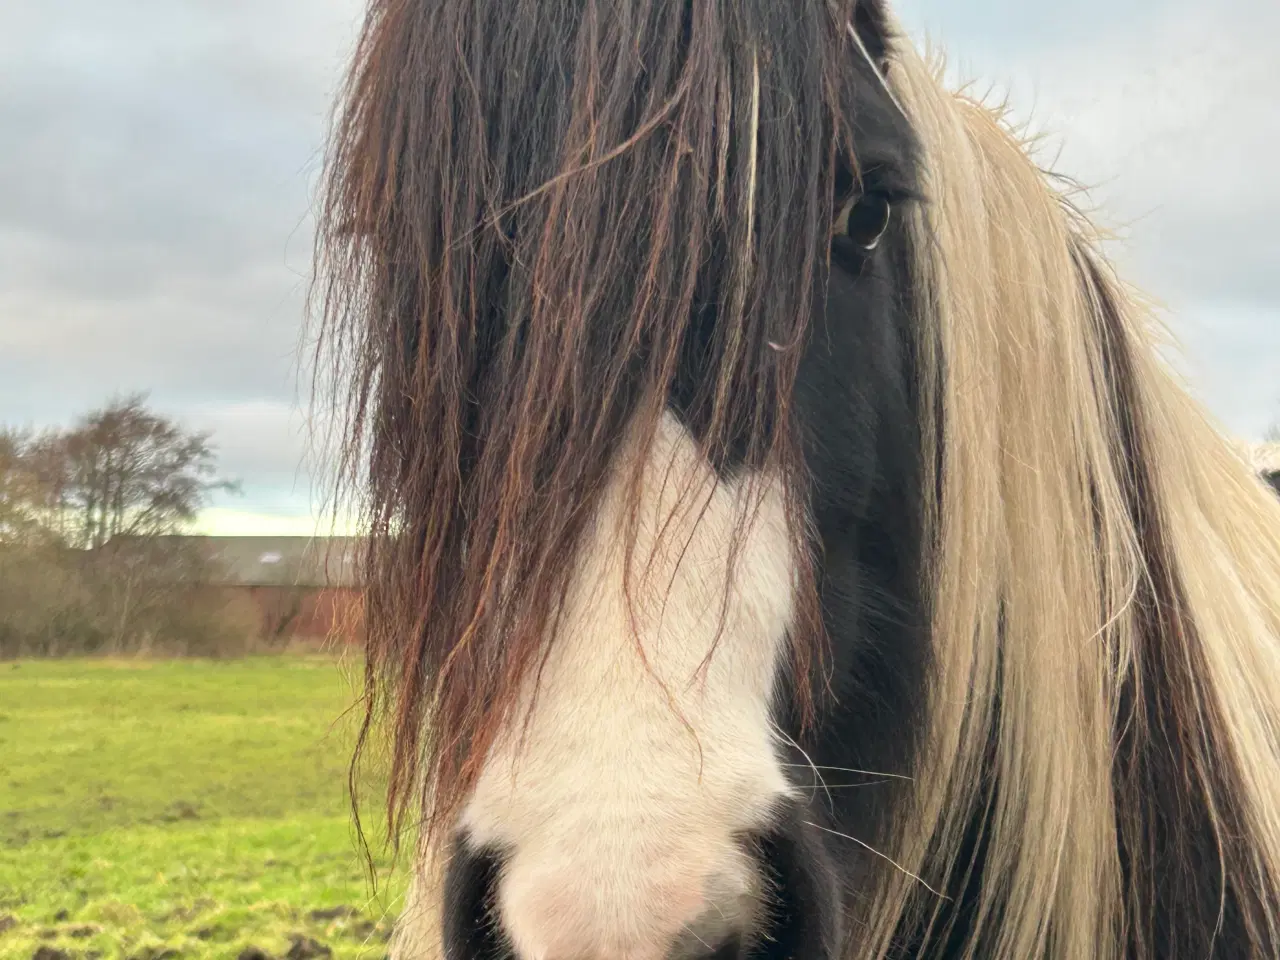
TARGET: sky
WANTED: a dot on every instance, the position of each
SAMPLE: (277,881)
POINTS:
(160,161)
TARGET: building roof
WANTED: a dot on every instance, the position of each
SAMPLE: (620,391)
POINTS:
(281,561)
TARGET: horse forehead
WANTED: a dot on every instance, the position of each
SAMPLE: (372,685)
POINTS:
(619,794)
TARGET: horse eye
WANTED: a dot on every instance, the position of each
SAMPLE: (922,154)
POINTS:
(865,221)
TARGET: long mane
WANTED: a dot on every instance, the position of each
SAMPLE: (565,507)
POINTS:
(1106,588)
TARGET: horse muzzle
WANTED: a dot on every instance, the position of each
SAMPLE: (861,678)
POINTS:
(776,897)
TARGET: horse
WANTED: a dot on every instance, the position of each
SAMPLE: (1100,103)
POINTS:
(782,538)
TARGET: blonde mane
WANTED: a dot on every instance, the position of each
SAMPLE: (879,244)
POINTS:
(1093,534)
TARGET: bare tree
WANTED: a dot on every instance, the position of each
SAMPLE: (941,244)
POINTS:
(126,471)
(120,471)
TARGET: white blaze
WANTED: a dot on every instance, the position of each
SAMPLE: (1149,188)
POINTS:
(620,806)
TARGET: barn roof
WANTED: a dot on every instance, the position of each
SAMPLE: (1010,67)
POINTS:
(280,561)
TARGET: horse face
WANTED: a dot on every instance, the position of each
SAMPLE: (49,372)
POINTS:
(650,800)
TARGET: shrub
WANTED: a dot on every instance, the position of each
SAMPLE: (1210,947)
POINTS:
(144,597)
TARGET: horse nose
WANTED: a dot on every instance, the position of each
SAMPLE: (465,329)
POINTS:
(784,903)
(470,884)
(551,912)
(541,903)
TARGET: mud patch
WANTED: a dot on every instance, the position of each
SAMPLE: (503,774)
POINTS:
(179,811)
(306,948)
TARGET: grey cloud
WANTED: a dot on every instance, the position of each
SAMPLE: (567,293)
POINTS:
(1179,124)
(993,32)
(267,443)
(1168,112)
(1231,355)
(188,128)
(154,197)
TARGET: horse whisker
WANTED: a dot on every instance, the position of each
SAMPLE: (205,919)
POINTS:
(883,856)
(869,773)
(810,766)
(852,786)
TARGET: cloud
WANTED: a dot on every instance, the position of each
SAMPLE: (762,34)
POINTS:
(1177,124)
(262,440)
(1231,356)
(1167,111)
(223,522)
(154,196)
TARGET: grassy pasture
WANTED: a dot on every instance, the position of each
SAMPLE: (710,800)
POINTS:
(180,808)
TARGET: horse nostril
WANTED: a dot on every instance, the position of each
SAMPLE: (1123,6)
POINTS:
(468,925)
(802,909)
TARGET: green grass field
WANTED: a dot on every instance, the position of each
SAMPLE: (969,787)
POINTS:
(155,809)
